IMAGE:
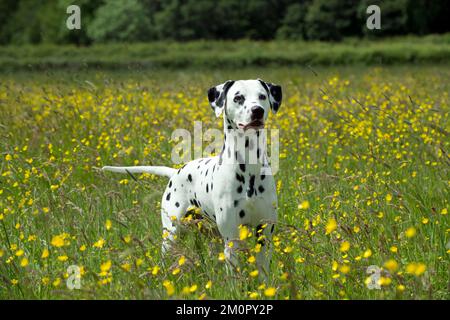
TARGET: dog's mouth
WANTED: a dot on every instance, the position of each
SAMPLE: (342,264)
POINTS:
(255,124)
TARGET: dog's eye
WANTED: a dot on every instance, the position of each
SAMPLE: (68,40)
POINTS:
(238,99)
(262,97)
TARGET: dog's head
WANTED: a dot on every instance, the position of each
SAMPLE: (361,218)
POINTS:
(246,103)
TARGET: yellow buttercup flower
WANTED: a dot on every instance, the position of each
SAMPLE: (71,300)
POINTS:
(331,226)
(410,232)
(345,246)
(270,292)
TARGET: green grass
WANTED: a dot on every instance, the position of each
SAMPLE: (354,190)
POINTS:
(228,54)
(346,148)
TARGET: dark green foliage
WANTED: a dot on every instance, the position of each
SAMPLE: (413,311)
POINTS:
(32,21)
(228,54)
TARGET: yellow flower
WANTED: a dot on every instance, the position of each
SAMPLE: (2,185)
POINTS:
(345,246)
(155,270)
(391,265)
(99,243)
(253,295)
(57,282)
(384,281)
(389,197)
(193,288)
(367,253)
(444,211)
(19,253)
(108,224)
(126,267)
(170,289)
(45,253)
(411,232)
(62,258)
(416,269)
(344,269)
(14,282)
(394,249)
(127,239)
(251,259)
(176,271)
(181,261)
(8,157)
(24,262)
(105,266)
(254,273)
(304,205)
(58,240)
(208,284)
(331,226)
(221,256)
(270,292)
(243,232)
(83,247)
(400,288)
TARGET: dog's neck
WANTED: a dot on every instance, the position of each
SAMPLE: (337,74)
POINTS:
(245,151)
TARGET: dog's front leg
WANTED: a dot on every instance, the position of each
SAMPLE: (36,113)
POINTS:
(229,230)
(264,255)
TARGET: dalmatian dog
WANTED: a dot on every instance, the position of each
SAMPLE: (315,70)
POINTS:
(235,187)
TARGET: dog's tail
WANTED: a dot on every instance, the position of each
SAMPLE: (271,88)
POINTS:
(158,170)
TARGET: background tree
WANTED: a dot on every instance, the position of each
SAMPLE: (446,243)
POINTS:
(293,25)
(331,19)
(118,20)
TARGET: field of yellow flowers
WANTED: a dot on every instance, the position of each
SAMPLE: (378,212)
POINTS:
(363,181)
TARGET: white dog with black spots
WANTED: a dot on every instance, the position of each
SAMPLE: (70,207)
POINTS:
(236,187)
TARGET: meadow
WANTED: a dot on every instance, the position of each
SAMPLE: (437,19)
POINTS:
(363,181)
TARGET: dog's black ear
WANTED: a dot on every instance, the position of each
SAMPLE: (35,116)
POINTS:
(217,96)
(275,94)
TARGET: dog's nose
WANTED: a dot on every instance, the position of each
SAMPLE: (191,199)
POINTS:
(257,112)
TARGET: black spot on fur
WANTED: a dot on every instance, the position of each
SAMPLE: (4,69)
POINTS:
(239,189)
(236,202)
(189,177)
(177,204)
(242,167)
(251,187)
(242,213)
(247,142)
(261,189)
(211,186)
(271,229)
(257,153)
(207,161)
(263,176)
(170,183)
(168,196)
(207,189)
(240,178)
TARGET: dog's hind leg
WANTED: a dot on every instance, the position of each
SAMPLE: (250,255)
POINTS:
(173,208)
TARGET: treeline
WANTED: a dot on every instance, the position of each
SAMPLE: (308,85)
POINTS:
(39,21)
